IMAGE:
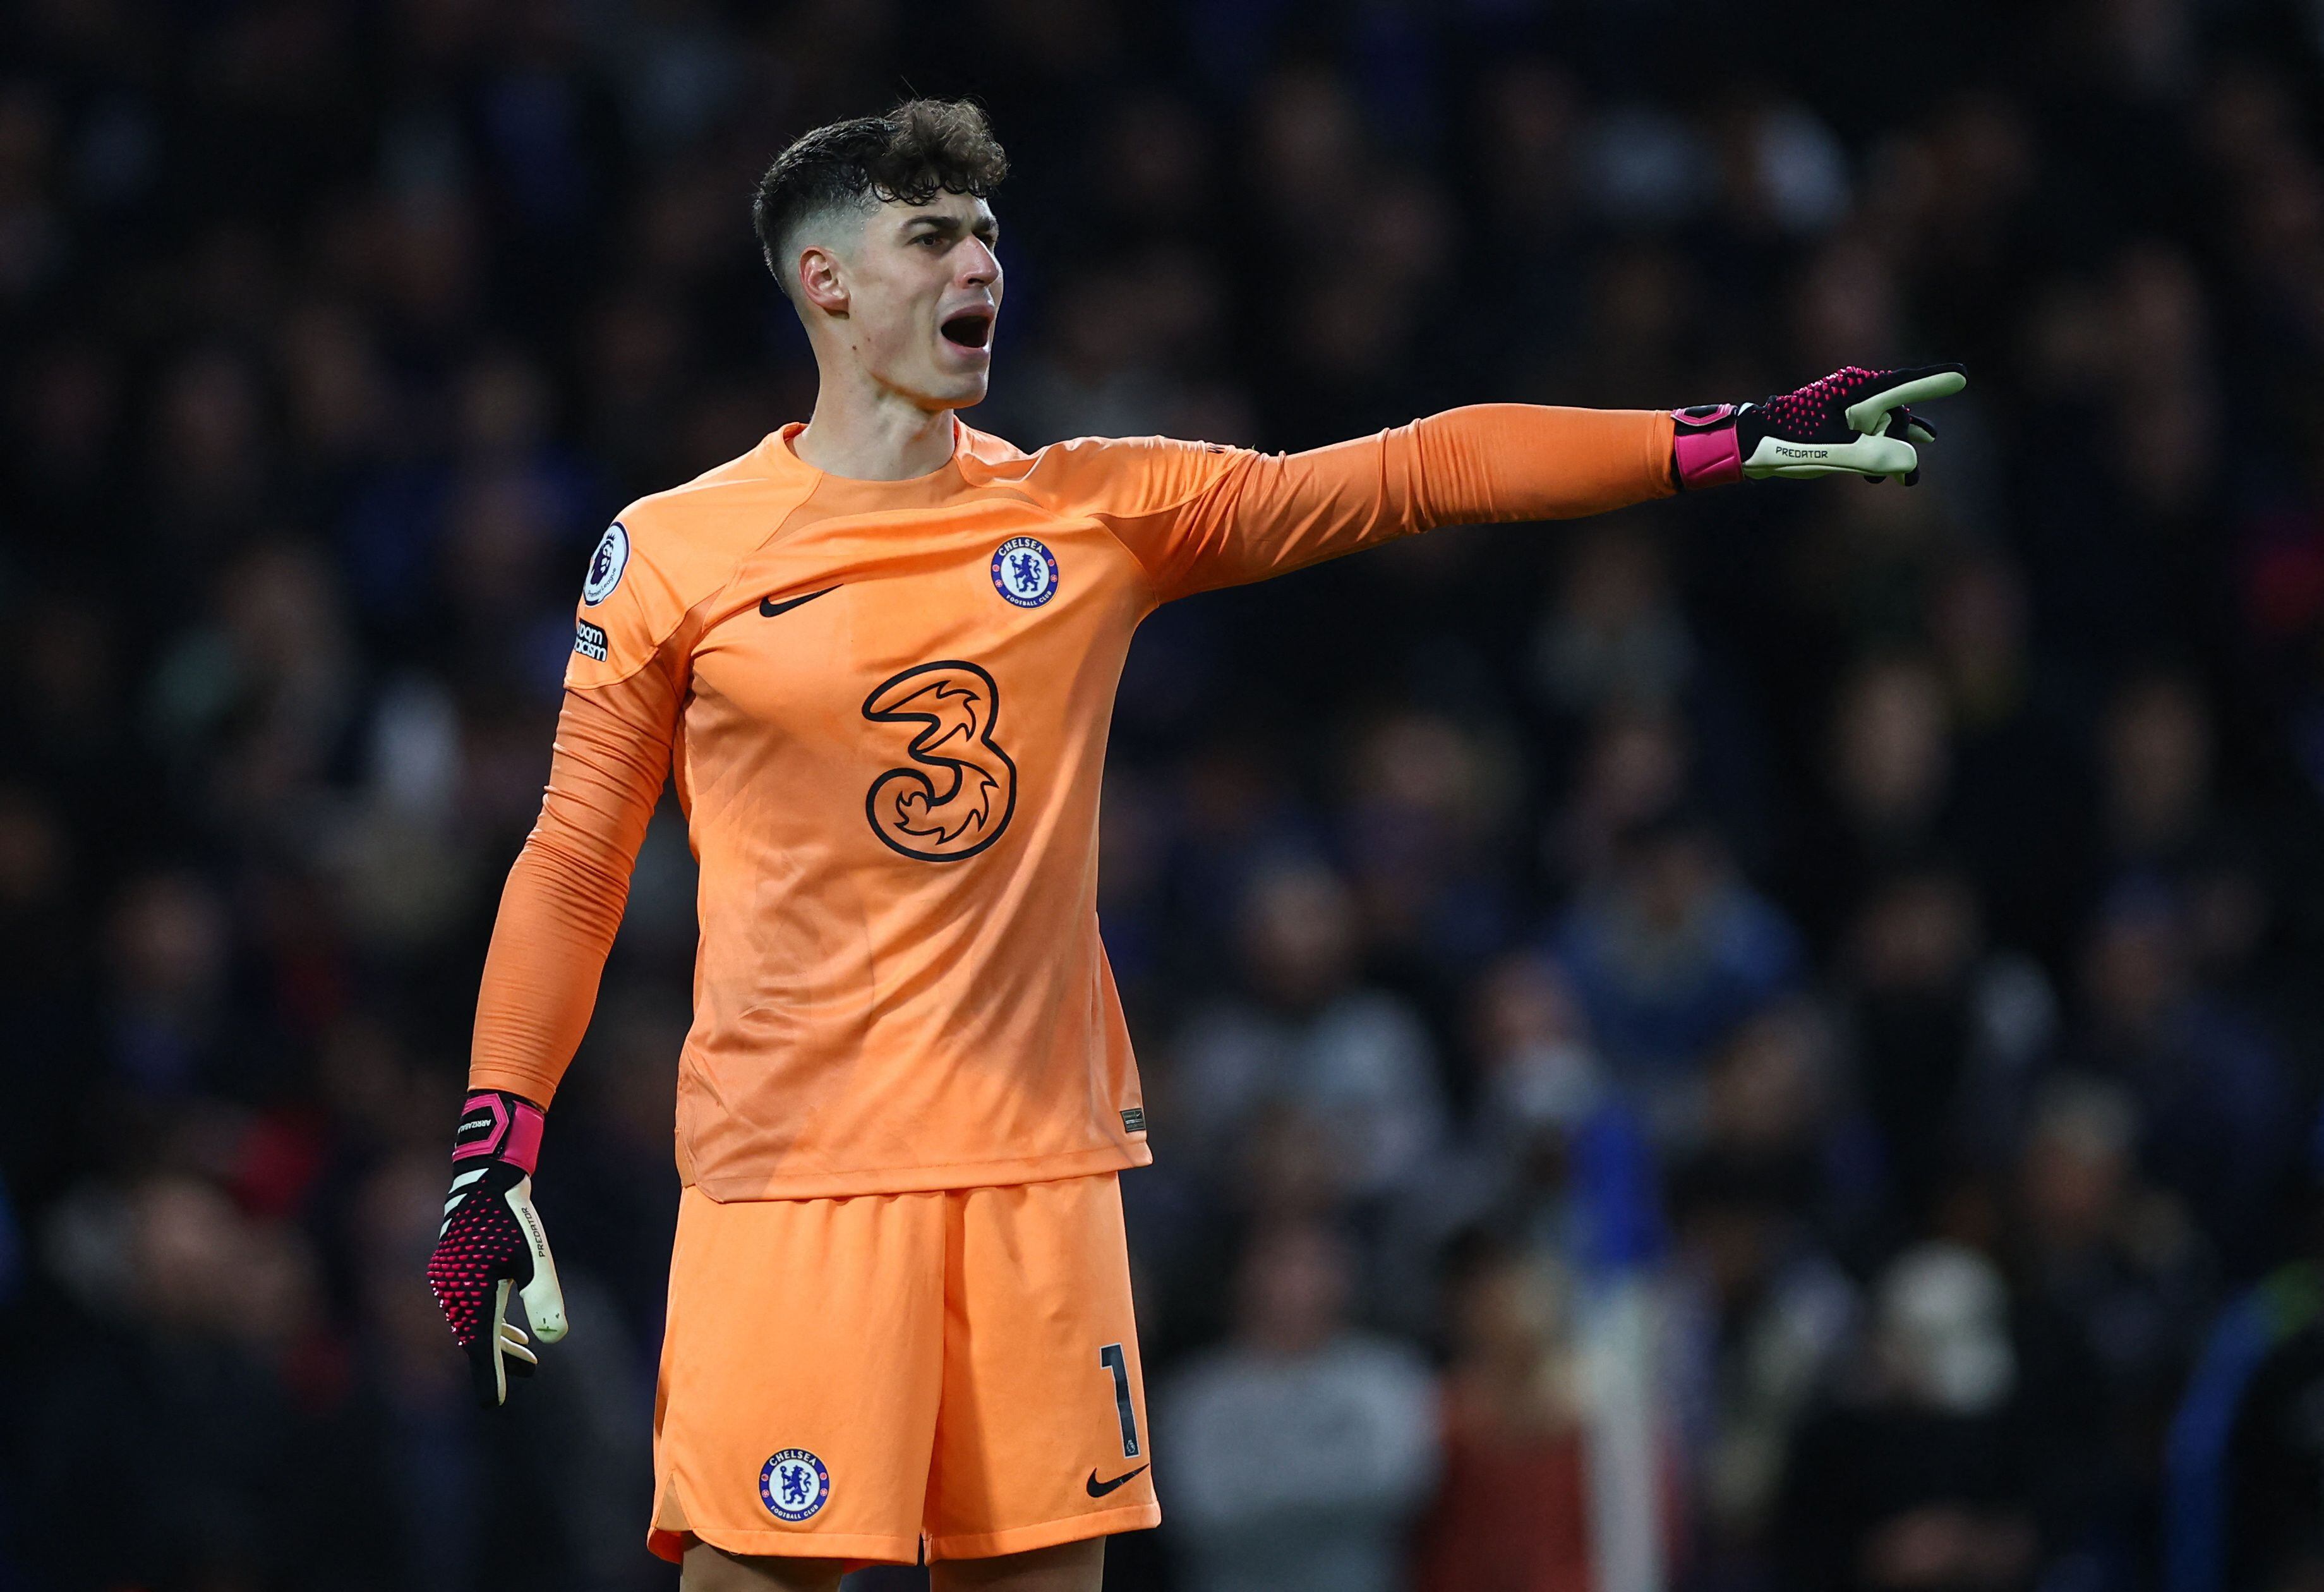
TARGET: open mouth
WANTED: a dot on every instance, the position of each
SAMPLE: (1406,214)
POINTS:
(973,329)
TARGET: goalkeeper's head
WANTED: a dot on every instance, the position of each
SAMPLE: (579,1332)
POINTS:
(880,232)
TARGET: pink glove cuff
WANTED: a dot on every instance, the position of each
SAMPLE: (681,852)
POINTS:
(1704,447)
(501,1126)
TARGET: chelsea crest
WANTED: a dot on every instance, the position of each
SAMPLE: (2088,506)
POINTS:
(1025,571)
(793,1484)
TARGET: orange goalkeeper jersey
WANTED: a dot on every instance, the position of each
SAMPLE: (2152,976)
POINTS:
(885,704)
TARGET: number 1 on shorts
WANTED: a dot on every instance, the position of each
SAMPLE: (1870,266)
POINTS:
(1111,1358)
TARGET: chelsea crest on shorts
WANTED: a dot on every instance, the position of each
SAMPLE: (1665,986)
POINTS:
(793,1484)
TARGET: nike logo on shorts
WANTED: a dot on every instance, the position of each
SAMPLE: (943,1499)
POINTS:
(769,607)
(1098,1489)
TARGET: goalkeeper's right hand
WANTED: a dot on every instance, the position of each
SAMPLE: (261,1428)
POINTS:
(1852,422)
(492,1240)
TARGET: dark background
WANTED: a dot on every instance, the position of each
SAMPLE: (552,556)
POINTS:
(1878,927)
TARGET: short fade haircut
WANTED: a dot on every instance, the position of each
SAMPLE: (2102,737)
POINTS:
(920,148)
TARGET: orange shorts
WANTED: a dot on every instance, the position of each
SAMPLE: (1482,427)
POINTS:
(894,1377)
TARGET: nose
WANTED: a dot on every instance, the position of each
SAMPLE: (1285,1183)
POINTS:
(979,266)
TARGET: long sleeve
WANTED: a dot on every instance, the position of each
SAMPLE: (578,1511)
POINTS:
(1237,516)
(564,898)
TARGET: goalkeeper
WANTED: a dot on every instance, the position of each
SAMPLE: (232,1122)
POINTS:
(878,655)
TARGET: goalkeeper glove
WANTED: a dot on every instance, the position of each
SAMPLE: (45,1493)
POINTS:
(1852,422)
(492,1241)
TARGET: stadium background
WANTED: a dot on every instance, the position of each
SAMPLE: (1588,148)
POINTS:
(1868,938)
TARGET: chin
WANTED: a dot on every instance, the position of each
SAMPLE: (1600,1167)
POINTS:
(965,393)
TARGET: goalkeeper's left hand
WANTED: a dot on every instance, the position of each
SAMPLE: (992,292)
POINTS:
(1852,422)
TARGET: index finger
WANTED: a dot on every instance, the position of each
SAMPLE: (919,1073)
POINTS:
(1917,386)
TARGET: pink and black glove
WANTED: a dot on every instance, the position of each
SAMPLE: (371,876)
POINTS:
(1852,422)
(492,1241)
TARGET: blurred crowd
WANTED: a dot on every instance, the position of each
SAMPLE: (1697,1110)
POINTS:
(1776,1031)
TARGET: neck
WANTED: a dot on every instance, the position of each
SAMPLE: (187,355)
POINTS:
(866,432)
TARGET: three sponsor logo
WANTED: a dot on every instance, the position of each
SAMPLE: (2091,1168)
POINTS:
(959,791)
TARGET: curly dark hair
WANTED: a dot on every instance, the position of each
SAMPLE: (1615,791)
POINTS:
(920,148)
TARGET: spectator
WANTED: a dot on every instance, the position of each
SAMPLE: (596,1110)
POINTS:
(2113,1284)
(1918,1476)
(1302,1451)
(1945,1033)
(1761,1318)
(1427,830)
(1667,957)
(1616,634)
(1512,1509)
(1634,764)
(180,1375)
(2155,758)
(1773,1116)
(2247,1457)
(2211,1088)
(1309,1036)
(2022,783)
(1509,1175)
(168,1003)
(1762,1315)
(2113,1260)
(1891,778)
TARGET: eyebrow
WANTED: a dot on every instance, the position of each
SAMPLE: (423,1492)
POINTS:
(985,227)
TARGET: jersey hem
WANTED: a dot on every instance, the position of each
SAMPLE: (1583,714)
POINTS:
(1072,1528)
(732,1187)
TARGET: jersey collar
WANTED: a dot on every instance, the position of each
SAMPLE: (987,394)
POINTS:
(845,495)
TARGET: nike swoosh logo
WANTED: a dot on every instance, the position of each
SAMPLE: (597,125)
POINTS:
(1098,1489)
(769,607)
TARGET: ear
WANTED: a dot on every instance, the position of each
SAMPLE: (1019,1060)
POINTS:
(820,281)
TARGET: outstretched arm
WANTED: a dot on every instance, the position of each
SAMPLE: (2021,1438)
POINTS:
(1198,516)
(1251,515)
